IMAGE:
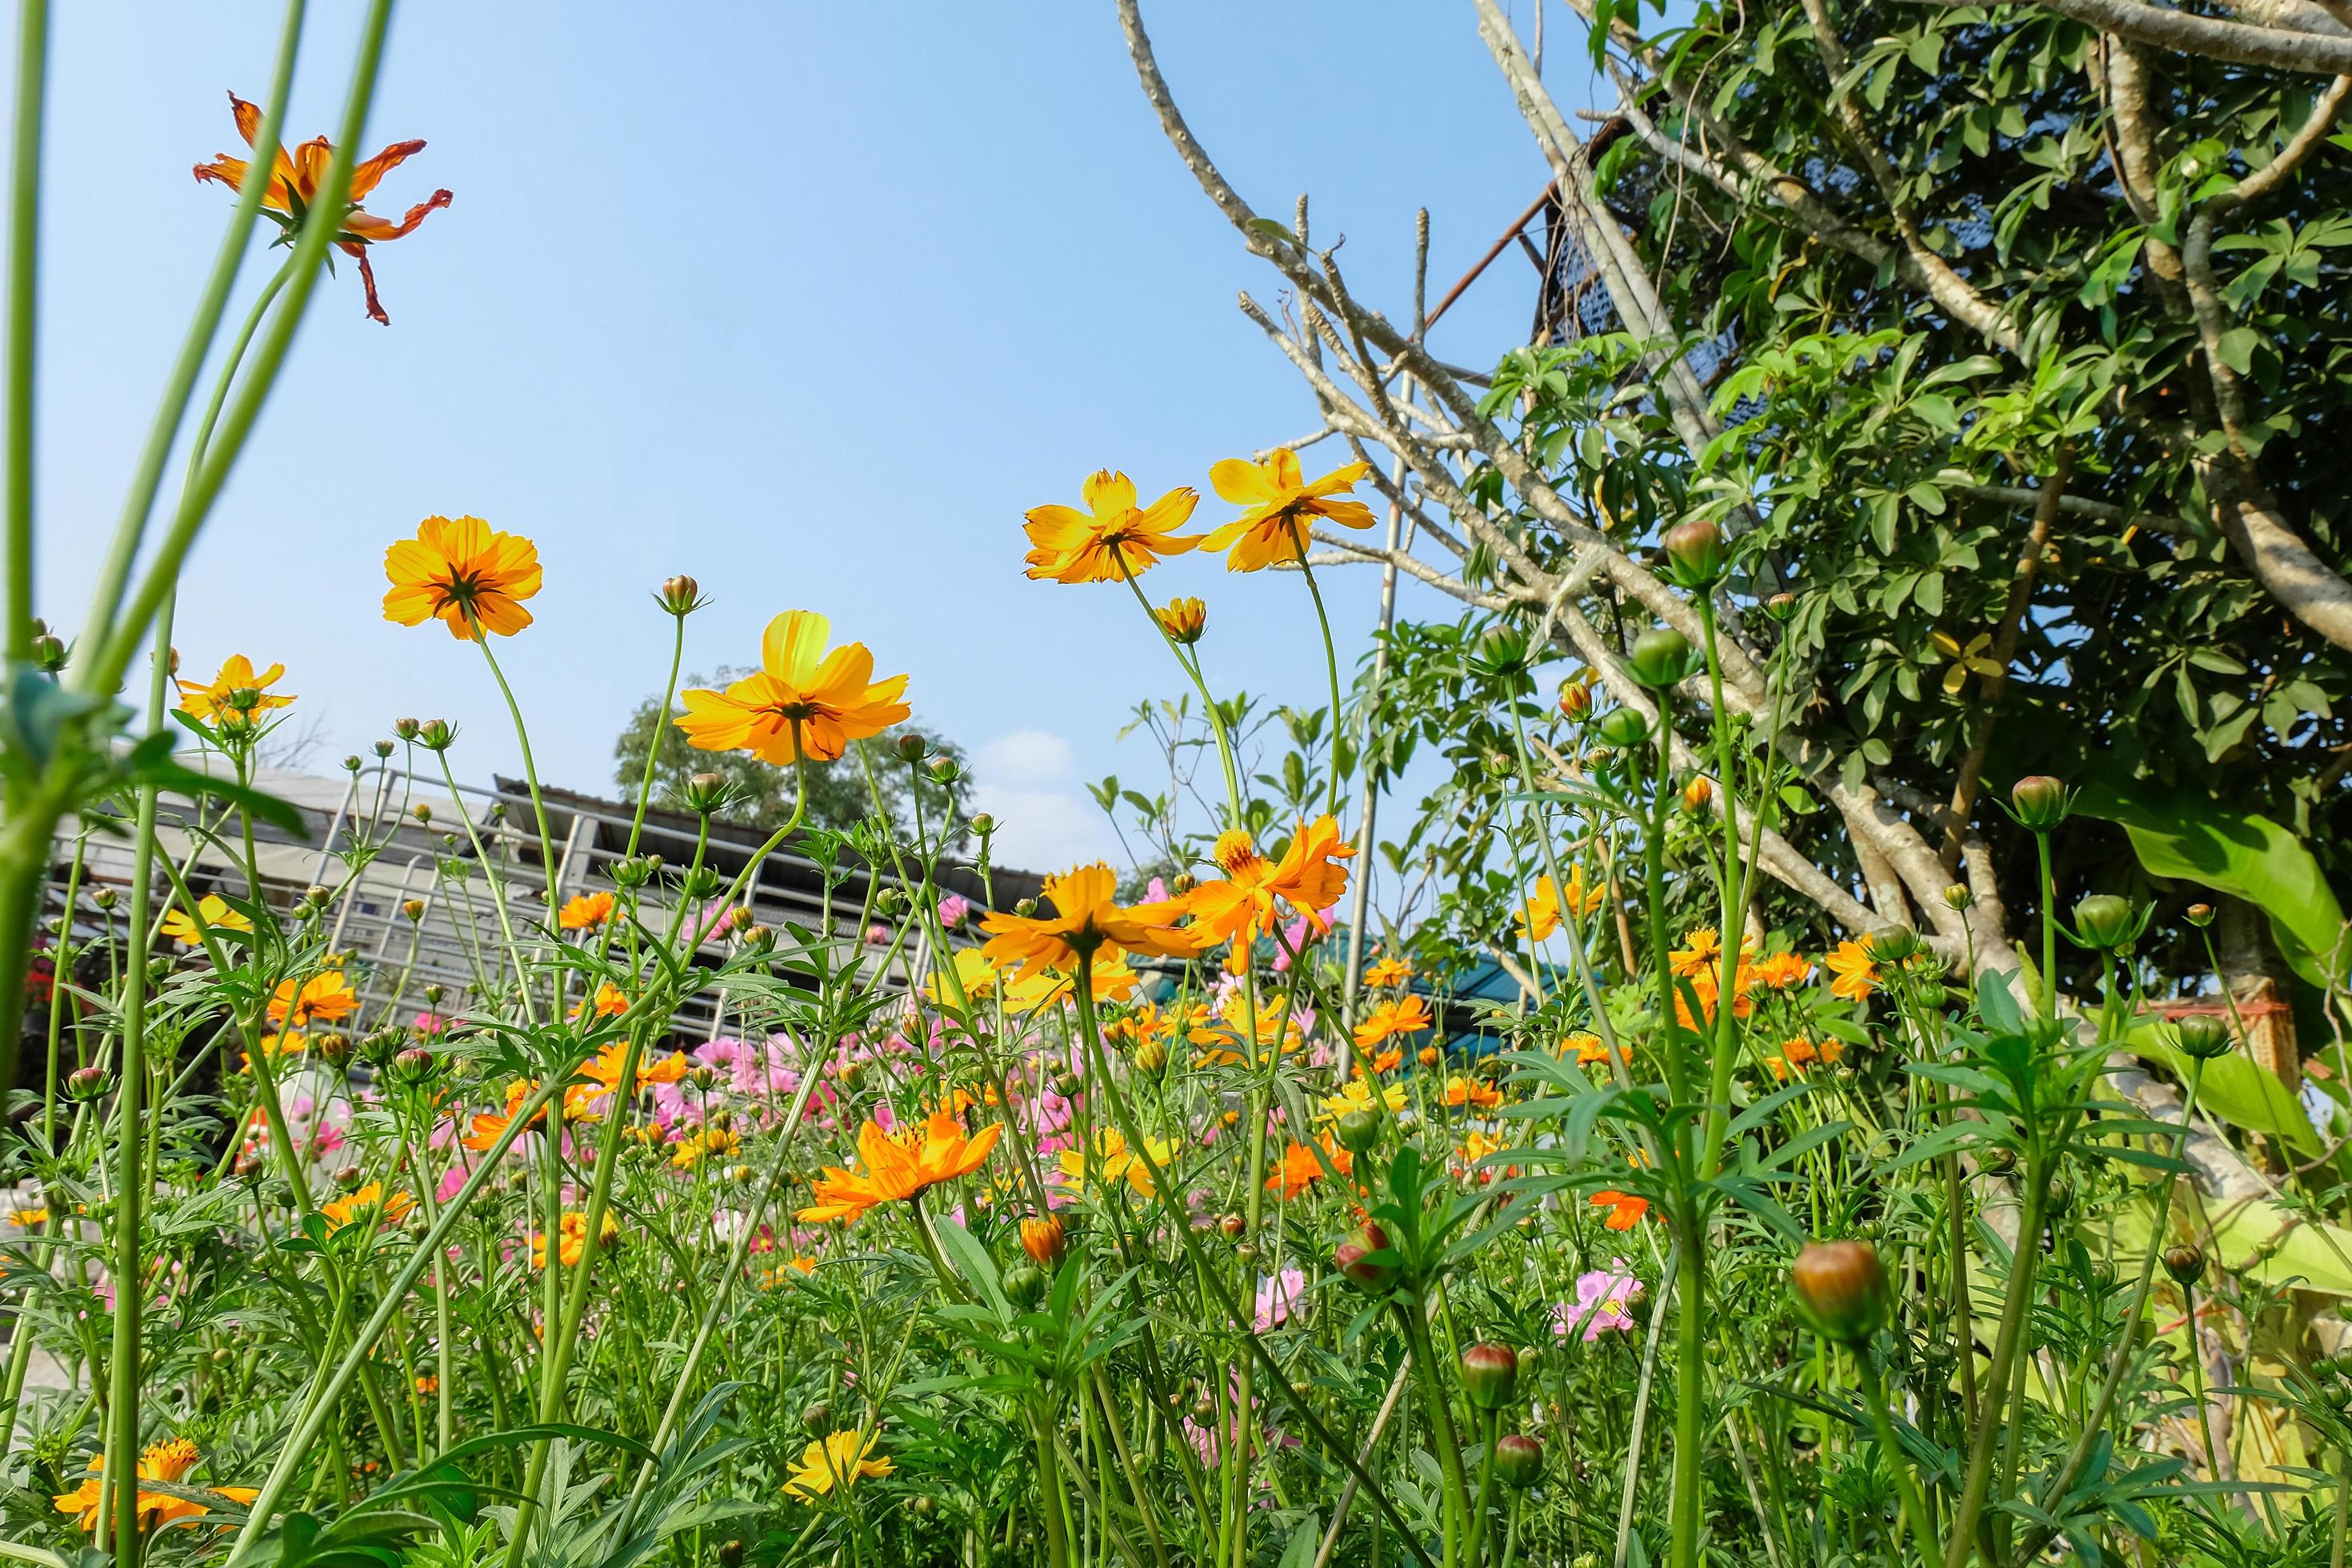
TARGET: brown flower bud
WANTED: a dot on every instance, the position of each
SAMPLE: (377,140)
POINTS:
(1841,1288)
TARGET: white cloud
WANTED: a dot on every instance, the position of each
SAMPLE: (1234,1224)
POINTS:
(1045,829)
(1042,824)
(1026,757)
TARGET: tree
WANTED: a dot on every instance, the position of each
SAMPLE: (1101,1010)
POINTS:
(760,794)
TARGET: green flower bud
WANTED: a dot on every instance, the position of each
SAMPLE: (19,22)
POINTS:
(1490,1375)
(2106,922)
(1661,657)
(1696,557)
(1623,729)
(2203,1036)
(2039,802)
(1841,1289)
(1518,1459)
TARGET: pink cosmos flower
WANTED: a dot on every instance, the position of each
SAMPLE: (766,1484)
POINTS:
(1602,1297)
(953,909)
(1280,1297)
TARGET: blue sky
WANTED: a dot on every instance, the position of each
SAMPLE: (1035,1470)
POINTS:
(808,300)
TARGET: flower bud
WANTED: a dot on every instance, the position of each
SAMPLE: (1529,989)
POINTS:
(1043,1238)
(1518,1458)
(1841,1289)
(423,813)
(49,653)
(730,1552)
(2039,802)
(87,1083)
(2185,1264)
(705,794)
(758,938)
(1503,652)
(435,734)
(414,1064)
(890,903)
(1150,1058)
(1699,797)
(1695,554)
(2199,915)
(352,763)
(1490,1375)
(1232,1226)
(1575,700)
(412,910)
(681,595)
(1358,1131)
(2203,1036)
(983,824)
(104,898)
(1661,657)
(405,728)
(817,1419)
(1623,729)
(910,747)
(1365,1258)
(1183,619)
(433,994)
(1024,1285)
(383,750)
(1781,608)
(333,1046)
(1894,944)
(1026,908)
(945,770)
(2106,922)
(1958,895)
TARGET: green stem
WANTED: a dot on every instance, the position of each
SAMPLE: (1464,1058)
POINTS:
(661,734)
(1921,1524)
(24,267)
(1690,1392)
(1192,671)
(1330,663)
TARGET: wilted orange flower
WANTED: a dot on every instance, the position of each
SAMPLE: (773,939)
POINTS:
(1111,539)
(585,910)
(1387,972)
(293,189)
(1857,977)
(572,1238)
(1282,506)
(208,700)
(1540,916)
(1476,1093)
(1084,918)
(801,698)
(1779,971)
(902,1166)
(323,998)
(466,572)
(168,1462)
(1404,1015)
(1299,1169)
(1625,1210)
(367,1206)
(1308,878)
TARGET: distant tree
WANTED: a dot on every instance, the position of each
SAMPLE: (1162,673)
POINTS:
(761,794)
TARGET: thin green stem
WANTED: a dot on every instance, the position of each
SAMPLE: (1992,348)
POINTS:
(1921,1524)
(24,267)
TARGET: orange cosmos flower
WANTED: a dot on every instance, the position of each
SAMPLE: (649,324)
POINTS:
(585,910)
(1389,1060)
(1625,1210)
(209,701)
(572,1239)
(1281,508)
(1589,1050)
(603,1071)
(1857,977)
(293,189)
(904,1166)
(1111,539)
(486,1127)
(1387,972)
(368,1205)
(1540,916)
(167,1462)
(1404,1015)
(1476,1093)
(1704,953)
(801,699)
(1308,878)
(464,572)
(1084,918)
(323,998)
(1301,1169)
(1708,986)
(1779,971)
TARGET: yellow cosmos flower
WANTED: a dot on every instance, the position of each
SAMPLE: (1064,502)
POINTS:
(208,700)
(840,1461)
(1113,1158)
(1281,507)
(801,699)
(572,1239)
(1388,973)
(1540,917)
(1403,1016)
(1358,1095)
(167,1462)
(463,572)
(1857,976)
(212,911)
(1112,537)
